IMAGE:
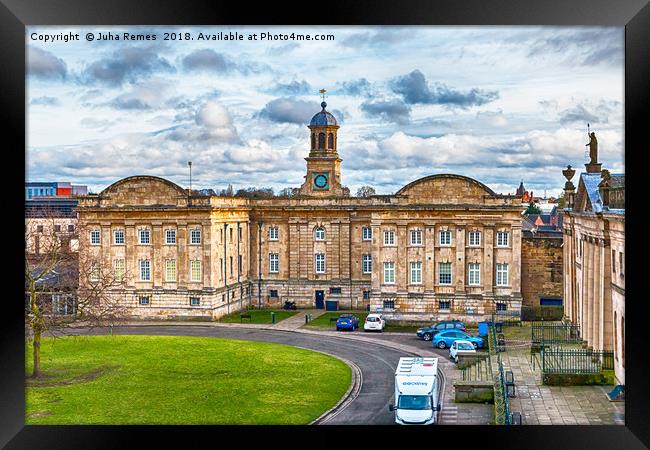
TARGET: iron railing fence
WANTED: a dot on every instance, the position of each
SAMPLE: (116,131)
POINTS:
(555,333)
(501,402)
(575,361)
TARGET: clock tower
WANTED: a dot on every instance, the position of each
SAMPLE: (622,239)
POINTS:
(323,163)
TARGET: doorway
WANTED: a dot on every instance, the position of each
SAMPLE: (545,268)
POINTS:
(320,299)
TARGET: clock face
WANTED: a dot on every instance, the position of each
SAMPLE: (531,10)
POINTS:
(320,180)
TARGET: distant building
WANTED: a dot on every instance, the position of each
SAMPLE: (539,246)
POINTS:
(51,209)
(34,190)
(594,259)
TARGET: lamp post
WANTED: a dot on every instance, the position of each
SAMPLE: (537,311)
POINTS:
(189,163)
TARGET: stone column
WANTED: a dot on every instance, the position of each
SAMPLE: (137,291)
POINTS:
(130,257)
(515,276)
(306,251)
(582,306)
(105,249)
(567,277)
(402,266)
(487,277)
(608,307)
(157,263)
(588,268)
(597,297)
(459,273)
(182,264)
(429,263)
(377,264)
(294,249)
(206,250)
(345,247)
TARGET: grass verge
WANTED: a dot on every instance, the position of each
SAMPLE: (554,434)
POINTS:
(259,316)
(180,380)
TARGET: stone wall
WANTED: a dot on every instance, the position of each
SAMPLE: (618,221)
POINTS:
(541,268)
(473,391)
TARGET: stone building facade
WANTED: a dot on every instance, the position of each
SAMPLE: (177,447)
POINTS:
(180,255)
(594,260)
(443,246)
(542,268)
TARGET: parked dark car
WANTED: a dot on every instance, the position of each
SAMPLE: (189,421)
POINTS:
(427,333)
(347,322)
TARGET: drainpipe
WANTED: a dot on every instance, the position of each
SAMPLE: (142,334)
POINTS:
(259,267)
(238,266)
(225,266)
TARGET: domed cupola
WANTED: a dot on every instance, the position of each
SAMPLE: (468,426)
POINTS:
(323,128)
(323,118)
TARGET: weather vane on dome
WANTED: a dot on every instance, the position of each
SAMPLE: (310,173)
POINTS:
(322,92)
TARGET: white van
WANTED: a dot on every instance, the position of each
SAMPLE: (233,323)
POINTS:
(416,391)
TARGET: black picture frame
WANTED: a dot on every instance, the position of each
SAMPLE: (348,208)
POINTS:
(15,15)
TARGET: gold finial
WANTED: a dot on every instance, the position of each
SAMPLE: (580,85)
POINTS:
(322,92)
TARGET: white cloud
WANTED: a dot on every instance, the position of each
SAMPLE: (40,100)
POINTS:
(151,116)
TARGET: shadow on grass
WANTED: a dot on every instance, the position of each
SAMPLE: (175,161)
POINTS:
(54,379)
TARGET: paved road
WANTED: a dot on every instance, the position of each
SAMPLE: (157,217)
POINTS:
(376,362)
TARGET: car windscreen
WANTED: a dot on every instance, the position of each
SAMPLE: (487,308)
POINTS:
(373,319)
(414,402)
(464,346)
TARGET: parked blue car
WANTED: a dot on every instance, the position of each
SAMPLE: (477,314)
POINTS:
(446,338)
(347,322)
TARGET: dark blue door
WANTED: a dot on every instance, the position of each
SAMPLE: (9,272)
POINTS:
(320,299)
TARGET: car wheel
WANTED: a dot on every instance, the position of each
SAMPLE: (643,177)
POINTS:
(427,336)
(456,359)
(442,344)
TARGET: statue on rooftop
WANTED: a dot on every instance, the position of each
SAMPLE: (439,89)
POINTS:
(593,147)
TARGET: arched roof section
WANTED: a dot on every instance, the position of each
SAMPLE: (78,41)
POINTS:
(143,190)
(446,189)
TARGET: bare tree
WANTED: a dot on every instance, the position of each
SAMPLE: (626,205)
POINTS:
(289,192)
(365,191)
(63,289)
(228,192)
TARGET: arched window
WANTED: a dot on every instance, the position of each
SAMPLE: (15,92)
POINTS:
(321,140)
(330,141)
(313,140)
(319,234)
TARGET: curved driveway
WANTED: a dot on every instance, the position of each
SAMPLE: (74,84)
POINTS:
(376,362)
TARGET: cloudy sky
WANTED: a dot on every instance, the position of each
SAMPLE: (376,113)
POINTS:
(499,104)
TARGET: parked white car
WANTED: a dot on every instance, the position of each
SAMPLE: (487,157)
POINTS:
(374,322)
(460,347)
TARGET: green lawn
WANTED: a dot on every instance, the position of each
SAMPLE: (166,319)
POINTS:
(180,380)
(261,316)
(323,322)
